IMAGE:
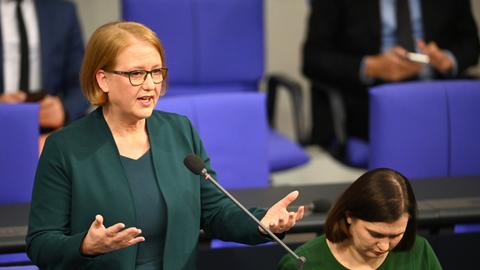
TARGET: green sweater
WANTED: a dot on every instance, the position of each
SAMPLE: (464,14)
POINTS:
(80,174)
(319,256)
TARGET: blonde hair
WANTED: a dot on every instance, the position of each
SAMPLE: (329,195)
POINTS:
(102,49)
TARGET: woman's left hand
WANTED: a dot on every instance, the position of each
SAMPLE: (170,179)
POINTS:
(278,219)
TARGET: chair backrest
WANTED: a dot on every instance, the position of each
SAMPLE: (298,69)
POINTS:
(19,151)
(207,42)
(426,129)
(234,129)
(213,46)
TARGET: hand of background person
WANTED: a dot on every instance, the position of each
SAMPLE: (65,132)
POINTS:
(391,65)
(278,219)
(51,112)
(438,58)
(14,97)
(100,240)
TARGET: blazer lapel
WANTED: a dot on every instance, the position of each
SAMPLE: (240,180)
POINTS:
(161,159)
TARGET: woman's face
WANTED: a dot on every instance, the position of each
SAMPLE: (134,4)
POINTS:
(376,239)
(126,101)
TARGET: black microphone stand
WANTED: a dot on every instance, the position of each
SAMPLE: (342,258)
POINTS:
(301,260)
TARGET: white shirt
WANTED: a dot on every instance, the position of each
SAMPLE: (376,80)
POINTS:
(11,45)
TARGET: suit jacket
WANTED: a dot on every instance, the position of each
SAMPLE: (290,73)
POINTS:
(62,48)
(342,32)
(80,174)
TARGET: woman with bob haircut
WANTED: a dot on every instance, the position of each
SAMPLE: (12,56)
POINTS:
(111,190)
(371,226)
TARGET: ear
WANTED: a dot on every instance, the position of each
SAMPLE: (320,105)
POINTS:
(102,80)
(348,217)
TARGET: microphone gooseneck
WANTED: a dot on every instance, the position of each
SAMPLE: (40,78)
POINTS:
(196,166)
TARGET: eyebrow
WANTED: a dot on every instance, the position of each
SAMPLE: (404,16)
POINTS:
(381,235)
(156,66)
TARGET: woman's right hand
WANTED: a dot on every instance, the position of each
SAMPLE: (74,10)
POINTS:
(101,240)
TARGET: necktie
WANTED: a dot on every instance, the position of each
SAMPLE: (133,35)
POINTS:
(404,26)
(24,61)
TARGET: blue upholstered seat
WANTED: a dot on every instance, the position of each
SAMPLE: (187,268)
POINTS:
(18,162)
(24,267)
(19,151)
(214,47)
(427,129)
(234,131)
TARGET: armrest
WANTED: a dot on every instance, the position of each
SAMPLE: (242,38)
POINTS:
(337,108)
(277,81)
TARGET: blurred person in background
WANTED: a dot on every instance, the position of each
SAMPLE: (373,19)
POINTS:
(41,53)
(352,45)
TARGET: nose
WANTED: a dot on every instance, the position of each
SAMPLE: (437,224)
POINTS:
(148,83)
(383,244)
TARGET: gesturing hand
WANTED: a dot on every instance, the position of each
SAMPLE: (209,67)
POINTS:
(278,219)
(102,240)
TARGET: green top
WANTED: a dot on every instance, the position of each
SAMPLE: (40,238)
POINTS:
(150,211)
(80,174)
(319,256)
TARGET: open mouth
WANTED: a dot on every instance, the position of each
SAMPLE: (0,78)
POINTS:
(145,98)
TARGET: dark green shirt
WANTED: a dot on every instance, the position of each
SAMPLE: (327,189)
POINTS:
(319,257)
(150,211)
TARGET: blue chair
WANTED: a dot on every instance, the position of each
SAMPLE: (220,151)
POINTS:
(427,129)
(18,162)
(234,135)
(25,267)
(217,47)
(19,151)
(16,261)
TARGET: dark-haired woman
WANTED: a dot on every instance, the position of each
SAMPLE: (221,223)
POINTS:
(371,226)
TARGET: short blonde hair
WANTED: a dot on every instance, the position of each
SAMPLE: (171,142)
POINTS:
(101,52)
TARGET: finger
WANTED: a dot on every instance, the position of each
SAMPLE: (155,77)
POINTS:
(114,229)
(136,240)
(287,200)
(399,52)
(272,226)
(421,44)
(291,221)
(300,213)
(98,223)
(280,225)
(127,234)
(433,46)
(46,102)
(20,96)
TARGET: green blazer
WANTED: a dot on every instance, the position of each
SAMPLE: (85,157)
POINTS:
(80,175)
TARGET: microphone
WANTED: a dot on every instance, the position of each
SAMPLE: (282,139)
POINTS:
(196,165)
(316,206)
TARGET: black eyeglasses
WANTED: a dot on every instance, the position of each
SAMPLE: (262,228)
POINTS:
(138,77)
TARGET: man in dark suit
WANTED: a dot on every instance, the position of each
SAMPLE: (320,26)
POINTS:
(55,49)
(352,45)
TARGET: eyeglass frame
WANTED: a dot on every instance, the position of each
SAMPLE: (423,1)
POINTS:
(128,74)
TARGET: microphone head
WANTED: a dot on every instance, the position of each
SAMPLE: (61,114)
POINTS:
(194,164)
(321,205)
